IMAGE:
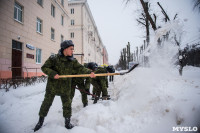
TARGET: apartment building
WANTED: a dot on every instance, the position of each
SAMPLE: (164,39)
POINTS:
(84,33)
(30,31)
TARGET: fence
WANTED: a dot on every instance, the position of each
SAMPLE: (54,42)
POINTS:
(20,81)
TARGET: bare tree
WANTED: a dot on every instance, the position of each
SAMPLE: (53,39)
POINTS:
(125,58)
(196,5)
(144,22)
(166,19)
(164,13)
(146,11)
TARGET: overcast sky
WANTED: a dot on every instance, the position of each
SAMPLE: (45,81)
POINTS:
(117,24)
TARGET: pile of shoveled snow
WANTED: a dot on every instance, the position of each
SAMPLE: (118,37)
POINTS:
(145,100)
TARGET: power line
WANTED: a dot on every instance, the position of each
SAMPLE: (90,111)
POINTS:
(192,39)
(198,40)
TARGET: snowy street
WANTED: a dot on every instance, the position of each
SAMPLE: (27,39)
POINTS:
(146,100)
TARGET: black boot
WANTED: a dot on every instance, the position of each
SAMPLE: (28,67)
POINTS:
(96,99)
(39,124)
(93,97)
(106,97)
(68,125)
(85,104)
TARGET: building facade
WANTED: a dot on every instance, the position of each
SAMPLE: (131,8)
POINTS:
(84,33)
(31,30)
(105,56)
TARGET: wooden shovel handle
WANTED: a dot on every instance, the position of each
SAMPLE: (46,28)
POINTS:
(88,75)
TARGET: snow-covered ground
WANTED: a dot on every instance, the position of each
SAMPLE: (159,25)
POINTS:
(145,100)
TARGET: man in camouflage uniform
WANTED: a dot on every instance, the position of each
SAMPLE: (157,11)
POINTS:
(83,85)
(100,84)
(111,78)
(61,64)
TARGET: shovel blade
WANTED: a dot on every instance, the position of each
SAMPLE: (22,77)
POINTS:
(134,66)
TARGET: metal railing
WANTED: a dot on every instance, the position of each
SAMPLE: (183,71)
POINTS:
(24,68)
(21,81)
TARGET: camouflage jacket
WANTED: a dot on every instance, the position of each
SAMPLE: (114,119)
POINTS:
(60,65)
(101,81)
(81,82)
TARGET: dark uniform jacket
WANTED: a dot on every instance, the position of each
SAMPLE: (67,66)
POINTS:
(82,81)
(101,82)
(59,64)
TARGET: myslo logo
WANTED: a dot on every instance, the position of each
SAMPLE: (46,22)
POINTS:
(194,129)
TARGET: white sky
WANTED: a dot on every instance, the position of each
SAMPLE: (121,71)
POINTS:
(117,24)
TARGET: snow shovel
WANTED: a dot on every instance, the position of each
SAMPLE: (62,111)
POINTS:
(88,93)
(99,74)
(93,95)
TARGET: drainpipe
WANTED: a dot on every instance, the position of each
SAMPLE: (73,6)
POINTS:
(82,30)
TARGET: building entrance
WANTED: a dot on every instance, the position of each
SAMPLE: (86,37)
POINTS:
(16,59)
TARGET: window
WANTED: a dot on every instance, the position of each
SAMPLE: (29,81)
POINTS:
(62,38)
(52,34)
(72,22)
(16,45)
(72,34)
(38,55)
(62,20)
(39,25)
(62,2)
(18,11)
(72,11)
(40,2)
(52,10)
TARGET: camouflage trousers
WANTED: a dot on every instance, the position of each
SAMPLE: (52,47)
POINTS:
(83,94)
(97,90)
(48,100)
(94,91)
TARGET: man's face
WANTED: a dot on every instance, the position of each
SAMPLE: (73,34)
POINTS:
(68,51)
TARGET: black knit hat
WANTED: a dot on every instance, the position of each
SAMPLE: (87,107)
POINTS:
(110,69)
(65,44)
(93,66)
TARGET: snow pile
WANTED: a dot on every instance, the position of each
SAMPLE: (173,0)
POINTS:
(157,98)
(146,100)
